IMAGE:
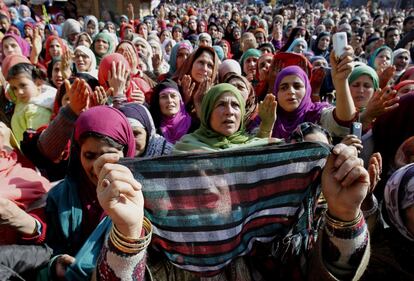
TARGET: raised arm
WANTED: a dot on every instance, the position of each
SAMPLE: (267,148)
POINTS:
(344,243)
(121,197)
(341,69)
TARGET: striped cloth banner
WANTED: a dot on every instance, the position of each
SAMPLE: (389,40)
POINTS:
(208,209)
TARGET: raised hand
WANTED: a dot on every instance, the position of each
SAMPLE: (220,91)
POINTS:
(385,75)
(130,11)
(374,170)
(119,194)
(200,93)
(138,96)
(100,96)
(382,101)
(187,85)
(342,67)
(274,69)
(66,63)
(117,78)
(36,46)
(267,113)
(78,94)
(345,182)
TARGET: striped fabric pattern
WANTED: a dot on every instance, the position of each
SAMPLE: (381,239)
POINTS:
(208,209)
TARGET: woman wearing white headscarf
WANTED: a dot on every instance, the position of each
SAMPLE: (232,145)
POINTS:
(91,25)
(85,61)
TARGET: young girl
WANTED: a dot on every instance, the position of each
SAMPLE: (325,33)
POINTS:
(34,101)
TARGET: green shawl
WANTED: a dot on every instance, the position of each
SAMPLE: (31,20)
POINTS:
(205,139)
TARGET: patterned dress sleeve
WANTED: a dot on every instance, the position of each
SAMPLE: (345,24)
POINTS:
(114,264)
(340,254)
(124,258)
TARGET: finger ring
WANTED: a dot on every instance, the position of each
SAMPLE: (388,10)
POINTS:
(106,182)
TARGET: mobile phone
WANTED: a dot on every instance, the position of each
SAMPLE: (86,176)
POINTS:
(340,41)
(356,129)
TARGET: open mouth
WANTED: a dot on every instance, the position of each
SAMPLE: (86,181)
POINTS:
(228,122)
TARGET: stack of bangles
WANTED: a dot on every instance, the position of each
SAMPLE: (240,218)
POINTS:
(341,228)
(131,245)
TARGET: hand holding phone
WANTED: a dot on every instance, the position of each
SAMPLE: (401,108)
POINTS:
(340,41)
(356,129)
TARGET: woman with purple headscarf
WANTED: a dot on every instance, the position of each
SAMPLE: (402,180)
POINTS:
(168,109)
(12,44)
(293,94)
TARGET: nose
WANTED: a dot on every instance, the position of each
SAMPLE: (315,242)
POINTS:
(228,110)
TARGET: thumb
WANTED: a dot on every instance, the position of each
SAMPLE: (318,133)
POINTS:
(67,85)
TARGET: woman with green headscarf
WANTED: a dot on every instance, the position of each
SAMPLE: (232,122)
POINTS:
(248,63)
(222,127)
(369,99)
(102,46)
(380,58)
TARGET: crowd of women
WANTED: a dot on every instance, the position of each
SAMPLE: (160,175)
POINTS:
(79,93)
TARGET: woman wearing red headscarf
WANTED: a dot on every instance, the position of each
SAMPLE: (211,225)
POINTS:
(114,72)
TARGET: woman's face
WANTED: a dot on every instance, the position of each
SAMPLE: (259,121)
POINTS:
(10,47)
(168,48)
(291,92)
(182,55)
(225,49)
(55,49)
(165,35)
(13,15)
(111,28)
(405,90)
(236,34)
(401,61)
(226,116)
(91,149)
(383,59)
(241,86)
(60,19)
(169,103)
(132,57)
(84,41)
(300,34)
(82,61)
(91,28)
(57,74)
(362,90)
(249,65)
(28,31)
(320,63)
(300,48)
(264,65)
(202,67)
(143,30)
(323,43)
(101,46)
(140,136)
(141,48)
(177,35)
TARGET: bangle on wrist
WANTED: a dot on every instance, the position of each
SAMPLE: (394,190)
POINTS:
(342,224)
(131,245)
